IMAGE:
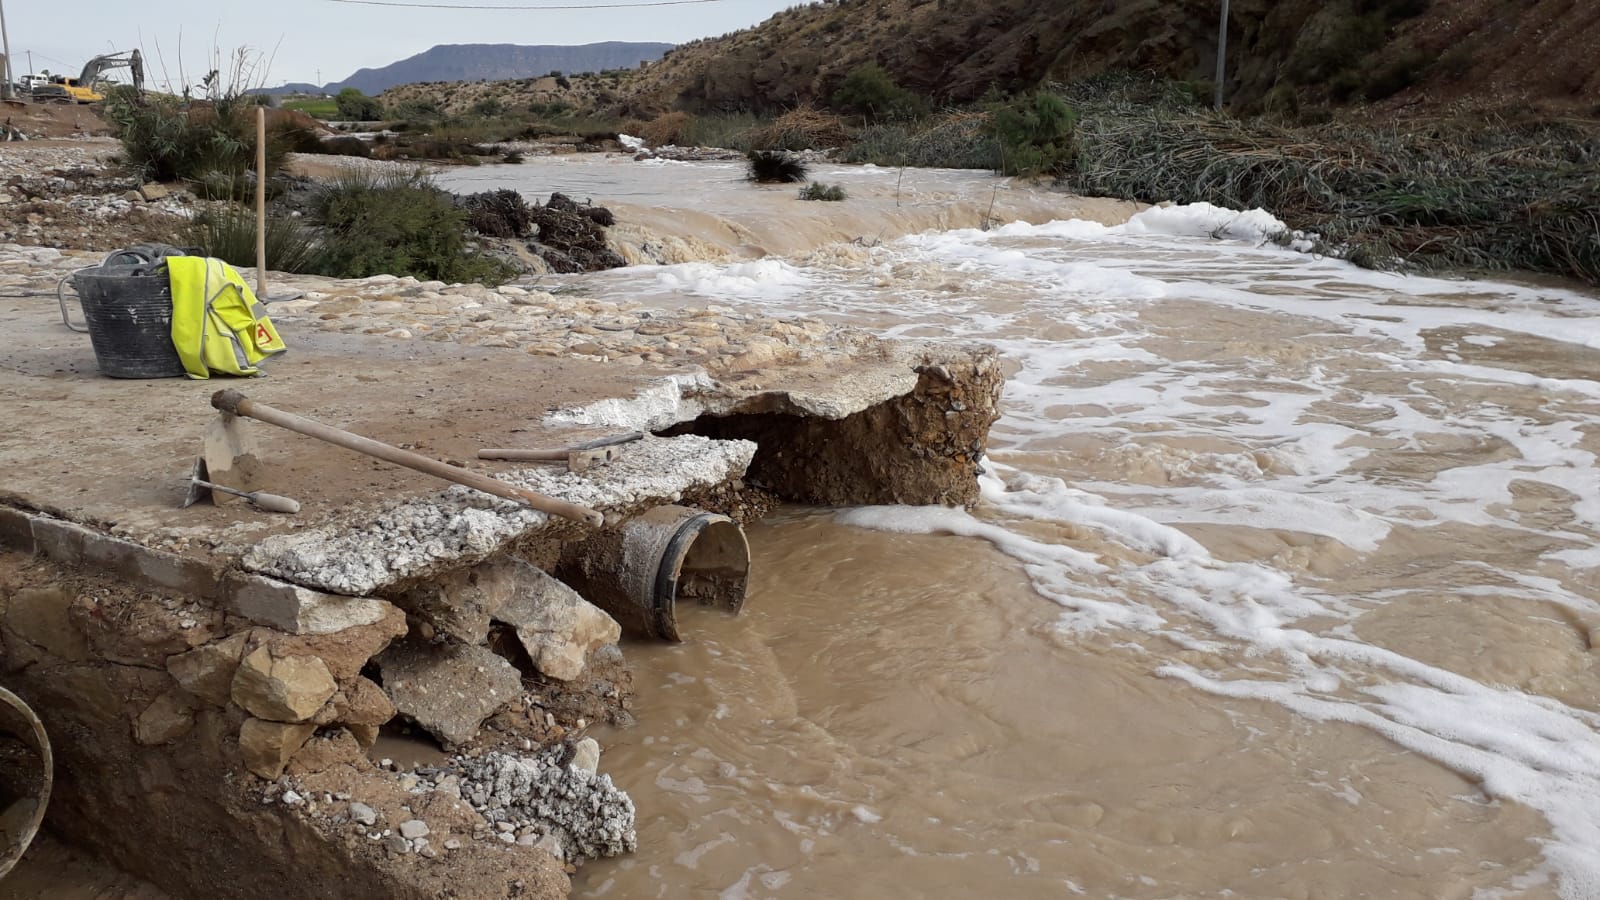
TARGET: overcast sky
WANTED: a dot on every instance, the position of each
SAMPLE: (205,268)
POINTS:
(335,39)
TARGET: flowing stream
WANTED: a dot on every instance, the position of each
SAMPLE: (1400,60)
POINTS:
(1284,581)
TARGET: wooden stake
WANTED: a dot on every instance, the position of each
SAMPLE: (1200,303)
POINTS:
(261,203)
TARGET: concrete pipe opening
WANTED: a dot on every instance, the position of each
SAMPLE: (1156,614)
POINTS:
(639,570)
(26,773)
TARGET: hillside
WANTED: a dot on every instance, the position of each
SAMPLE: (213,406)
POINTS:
(1490,52)
(490,62)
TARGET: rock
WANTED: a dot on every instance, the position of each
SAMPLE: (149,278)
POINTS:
(290,798)
(413,829)
(268,746)
(360,702)
(365,735)
(585,814)
(447,689)
(152,192)
(207,671)
(287,689)
(364,814)
(40,616)
(586,756)
(396,844)
(555,625)
(551,845)
(164,720)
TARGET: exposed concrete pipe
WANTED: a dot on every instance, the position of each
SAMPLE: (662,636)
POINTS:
(638,570)
(24,792)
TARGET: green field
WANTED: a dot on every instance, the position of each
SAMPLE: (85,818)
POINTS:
(317,108)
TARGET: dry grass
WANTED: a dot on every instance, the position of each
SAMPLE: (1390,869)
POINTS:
(803,128)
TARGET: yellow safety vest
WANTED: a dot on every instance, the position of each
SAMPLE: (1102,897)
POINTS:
(217,323)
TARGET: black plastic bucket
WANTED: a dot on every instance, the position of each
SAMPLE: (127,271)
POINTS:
(129,313)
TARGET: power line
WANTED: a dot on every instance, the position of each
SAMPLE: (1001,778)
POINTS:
(520,8)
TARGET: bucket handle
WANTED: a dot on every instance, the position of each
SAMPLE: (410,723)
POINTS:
(61,299)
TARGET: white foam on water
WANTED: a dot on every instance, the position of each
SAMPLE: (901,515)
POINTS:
(768,278)
(1293,468)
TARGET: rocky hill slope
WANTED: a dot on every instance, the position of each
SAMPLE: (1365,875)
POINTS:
(492,62)
(1488,52)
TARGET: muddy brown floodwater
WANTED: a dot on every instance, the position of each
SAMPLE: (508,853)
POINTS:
(888,718)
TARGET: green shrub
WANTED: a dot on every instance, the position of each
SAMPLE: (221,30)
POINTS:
(165,140)
(488,108)
(775,167)
(1035,135)
(228,232)
(353,105)
(816,190)
(871,92)
(399,224)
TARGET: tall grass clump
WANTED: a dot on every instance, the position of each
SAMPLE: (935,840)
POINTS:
(397,223)
(228,232)
(775,167)
(730,131)
(957,140)
(1441,194)
(164,139)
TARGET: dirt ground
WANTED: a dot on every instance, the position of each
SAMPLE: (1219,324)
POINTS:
(118,452)
(54,870)
(53,120)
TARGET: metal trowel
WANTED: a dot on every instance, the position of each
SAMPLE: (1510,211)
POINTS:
(202,489)
(230,456)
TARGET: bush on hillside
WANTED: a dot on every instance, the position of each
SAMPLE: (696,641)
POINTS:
(871,92)
(356,106)
(775,167)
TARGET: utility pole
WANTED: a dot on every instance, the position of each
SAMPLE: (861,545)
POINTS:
(1222,52)
(5,41)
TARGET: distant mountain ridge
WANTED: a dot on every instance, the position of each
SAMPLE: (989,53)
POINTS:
(488,62)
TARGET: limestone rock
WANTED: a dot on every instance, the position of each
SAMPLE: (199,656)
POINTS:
(268,746)
(365,735)
(586,756)
(412,829)
(207,671)
(165,720)
(286,689)
(363,814)
(41,617)
(364,703)
(448,689)
(154,191)
(556,626)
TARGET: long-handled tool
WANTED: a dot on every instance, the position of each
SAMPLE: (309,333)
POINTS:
(232,401)
(578,457)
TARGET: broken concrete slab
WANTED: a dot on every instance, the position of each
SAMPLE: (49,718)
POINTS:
(414,539)
(296,609)
(447,688)
(557,627)
(282,689)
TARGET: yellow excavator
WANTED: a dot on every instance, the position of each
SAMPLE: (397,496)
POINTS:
(86,87)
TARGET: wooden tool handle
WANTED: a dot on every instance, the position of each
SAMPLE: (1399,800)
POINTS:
(524,455)
(234,402)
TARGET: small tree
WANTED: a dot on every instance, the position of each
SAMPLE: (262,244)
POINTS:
(872,92)
(356,106)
